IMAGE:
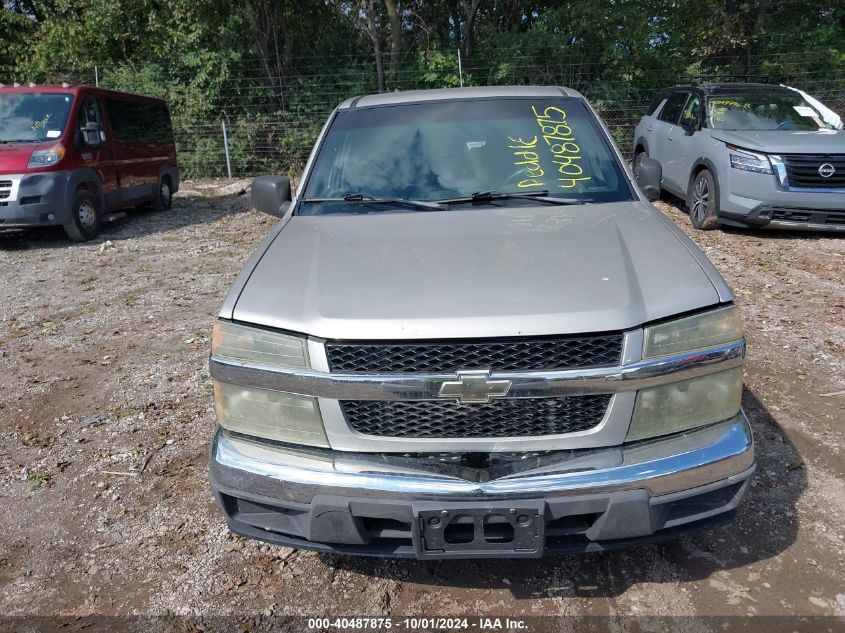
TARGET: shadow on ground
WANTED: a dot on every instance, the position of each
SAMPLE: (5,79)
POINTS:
(767,524)
(134,223)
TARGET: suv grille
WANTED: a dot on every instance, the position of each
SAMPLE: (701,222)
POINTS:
(802,170)
(496,355)
(516,417)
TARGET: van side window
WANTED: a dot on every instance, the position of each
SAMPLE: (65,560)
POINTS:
(671,112)
(139,122)
(89,112)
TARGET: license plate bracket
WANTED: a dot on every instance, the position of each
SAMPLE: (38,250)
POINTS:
(454,530)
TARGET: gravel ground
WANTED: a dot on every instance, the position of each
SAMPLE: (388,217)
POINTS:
(106,413)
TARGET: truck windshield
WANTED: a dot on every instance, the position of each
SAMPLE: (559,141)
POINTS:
(446,150)
(772,111)
(33,117)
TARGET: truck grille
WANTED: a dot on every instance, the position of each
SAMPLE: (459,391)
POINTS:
(517,417)
(802,170)
(496,355)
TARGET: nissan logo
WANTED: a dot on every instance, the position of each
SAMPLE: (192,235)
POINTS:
(826,170)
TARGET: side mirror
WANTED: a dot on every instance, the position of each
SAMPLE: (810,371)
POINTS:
(91,135)
(649,176)
(690,124)
(271,194)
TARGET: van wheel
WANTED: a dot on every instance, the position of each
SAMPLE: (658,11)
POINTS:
(702,203)
(85,217)
(164,197)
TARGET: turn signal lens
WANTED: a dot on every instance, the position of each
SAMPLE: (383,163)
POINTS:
(687,404)
(271,415)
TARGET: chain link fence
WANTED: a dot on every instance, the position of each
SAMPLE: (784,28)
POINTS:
(271,129)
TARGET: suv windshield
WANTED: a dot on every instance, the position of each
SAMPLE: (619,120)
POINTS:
(33,117)
(764,111)
(441,151)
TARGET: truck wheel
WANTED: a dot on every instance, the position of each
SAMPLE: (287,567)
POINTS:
(85,217)
(702,203)
(164,197)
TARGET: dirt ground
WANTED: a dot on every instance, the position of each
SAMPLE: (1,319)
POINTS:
(106,415)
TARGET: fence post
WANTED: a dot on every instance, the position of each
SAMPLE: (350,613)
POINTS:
(460,69)
(226,147)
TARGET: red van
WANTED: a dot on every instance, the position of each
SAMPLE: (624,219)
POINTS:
(70,155)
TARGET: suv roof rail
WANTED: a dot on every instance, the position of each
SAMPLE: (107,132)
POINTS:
(702,79)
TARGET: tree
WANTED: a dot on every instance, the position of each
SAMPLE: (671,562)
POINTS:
(470,8)
(275,44)
(395,20)
(371,27)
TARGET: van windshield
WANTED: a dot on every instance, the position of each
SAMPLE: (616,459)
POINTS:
(33,117)
(446,150)
(764,111)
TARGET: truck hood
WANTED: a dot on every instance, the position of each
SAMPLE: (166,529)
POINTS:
(485,272)
(14,157)
(786,141)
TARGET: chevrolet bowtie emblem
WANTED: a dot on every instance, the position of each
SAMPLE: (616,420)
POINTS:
(474,386)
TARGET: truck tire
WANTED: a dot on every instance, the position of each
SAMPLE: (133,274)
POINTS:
(164,195)
(86,217)
(702,201)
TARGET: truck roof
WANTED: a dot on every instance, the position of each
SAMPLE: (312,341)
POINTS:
(446,94)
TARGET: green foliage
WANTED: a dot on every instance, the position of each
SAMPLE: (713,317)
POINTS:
(273,69)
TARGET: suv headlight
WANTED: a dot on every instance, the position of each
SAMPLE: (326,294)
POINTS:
(265,413)
(749,161)
(46,157)
(694,402)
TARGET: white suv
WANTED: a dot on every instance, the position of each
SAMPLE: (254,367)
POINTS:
(749,155)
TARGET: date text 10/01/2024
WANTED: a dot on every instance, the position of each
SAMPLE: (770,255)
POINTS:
(419,624)
(560,142)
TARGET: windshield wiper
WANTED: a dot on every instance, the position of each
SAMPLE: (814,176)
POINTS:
(483,197)
(21,140)
(366,199)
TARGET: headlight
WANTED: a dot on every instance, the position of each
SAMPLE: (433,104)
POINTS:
(254,345)
(694,402)
(264,413)
(272,415)
(699,331)
(749,161)
(687,404)
(46,157)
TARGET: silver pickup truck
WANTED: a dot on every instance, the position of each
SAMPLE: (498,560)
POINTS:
(471,335)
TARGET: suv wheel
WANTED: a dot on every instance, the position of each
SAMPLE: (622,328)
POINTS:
(701,201)
(164,196)
(85,217)
(636,167)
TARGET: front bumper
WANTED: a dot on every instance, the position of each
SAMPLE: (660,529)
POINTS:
(587,500)
(756,201)
(39,199)
(792,218)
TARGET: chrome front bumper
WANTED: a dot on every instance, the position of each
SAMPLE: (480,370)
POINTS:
(336,501)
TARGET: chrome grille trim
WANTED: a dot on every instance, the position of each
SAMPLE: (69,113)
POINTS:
(532,384)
